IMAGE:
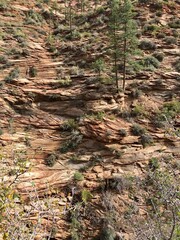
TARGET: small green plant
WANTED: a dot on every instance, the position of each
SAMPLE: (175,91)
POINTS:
(78,176)
(137,130)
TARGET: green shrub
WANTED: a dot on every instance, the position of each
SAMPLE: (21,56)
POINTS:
(159,13)
(143,1)
(174,23)
(3,5)
(3,60)
(153,164)
(69,125)
(75,158)
(32,71)
(146,140)
(98,66)
(33,18)
(16,53)
(51,160)
(137,130)
(136,93)
(149,63)
(171,109)
(159,56)
(107,233)
(12,75)
(98,116)
(75,235)
(1,84)
(74,35)
(170,40)
(177,65)
(64,82)
(1,131)
(147,45)
(46,1)
(150,28)
(72,143)
(139,110)
(117,153)
(86,196)
(157,5)
(122,132)
(175,33)
(100,10)
(159,120)
(78,176)
(160,35)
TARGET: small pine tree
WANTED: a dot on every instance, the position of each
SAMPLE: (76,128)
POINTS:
(123,35)
(114,35)
(69,12)
(99,66)
(128,36)
(82,4)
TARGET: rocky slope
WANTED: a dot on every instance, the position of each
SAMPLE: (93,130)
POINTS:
(63,130)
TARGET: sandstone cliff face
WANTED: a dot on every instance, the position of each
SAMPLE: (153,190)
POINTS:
(57,119)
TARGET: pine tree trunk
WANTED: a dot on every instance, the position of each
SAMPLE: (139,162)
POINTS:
(124,60)
(116,72)
(115,56)
(70,18)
